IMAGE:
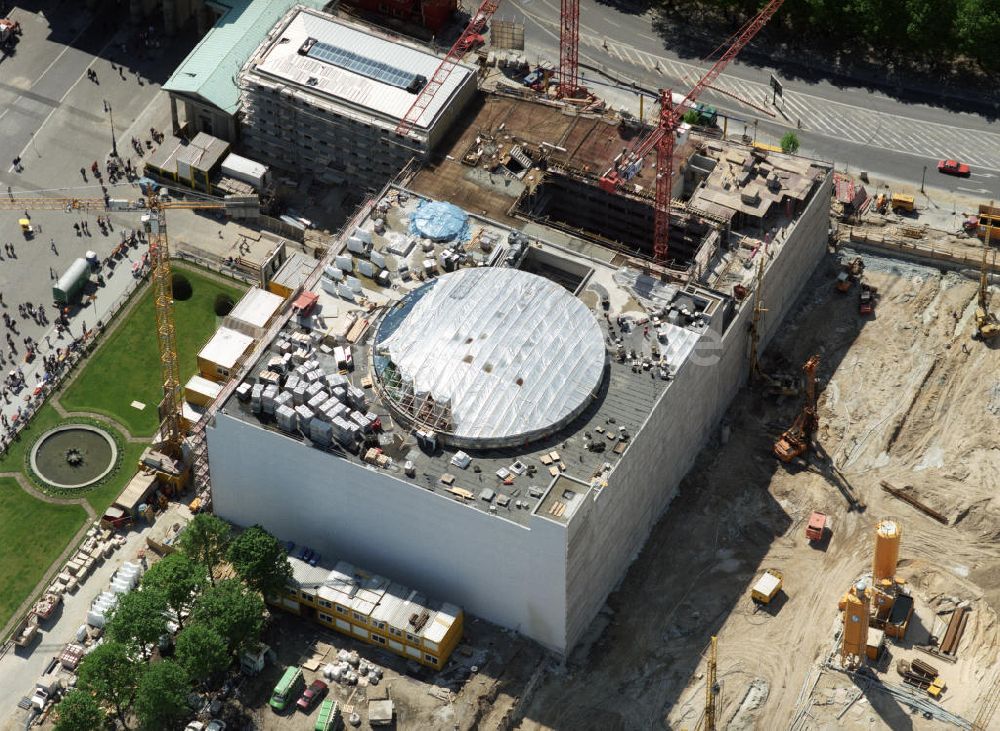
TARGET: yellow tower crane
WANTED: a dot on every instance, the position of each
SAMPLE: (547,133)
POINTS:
(711,689)
(987,325)
(708,719)
(170,428)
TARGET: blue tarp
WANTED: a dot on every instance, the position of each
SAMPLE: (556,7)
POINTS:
(440,221)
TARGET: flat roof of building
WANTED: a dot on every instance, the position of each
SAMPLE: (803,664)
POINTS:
(294,271)
(512,481)
(257,307)
(375,596)
(203,386)
(330,58)
(226,347)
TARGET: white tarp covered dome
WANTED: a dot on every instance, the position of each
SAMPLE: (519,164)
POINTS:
(512,355)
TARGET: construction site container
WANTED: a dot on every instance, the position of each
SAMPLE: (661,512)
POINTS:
(902,202)
(69,286)
(249,171)
(816,527)
(767,587)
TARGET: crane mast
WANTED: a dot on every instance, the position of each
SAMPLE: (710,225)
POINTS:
(569,48)
(662,138)
(476,24)
(159,254)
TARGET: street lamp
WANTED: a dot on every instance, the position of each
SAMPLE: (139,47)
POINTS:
(114,143)
(922,177)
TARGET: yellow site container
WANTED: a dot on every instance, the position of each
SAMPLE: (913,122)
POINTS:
(902,202)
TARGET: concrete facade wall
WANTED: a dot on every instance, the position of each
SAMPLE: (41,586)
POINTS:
(286,130)
(494,568)
(546,580)
(608,532)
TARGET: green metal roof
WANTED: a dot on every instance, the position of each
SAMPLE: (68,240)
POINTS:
(209,71)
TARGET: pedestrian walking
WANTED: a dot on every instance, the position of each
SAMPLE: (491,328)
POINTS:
(52,245)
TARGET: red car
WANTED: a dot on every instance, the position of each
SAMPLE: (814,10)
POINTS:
(953,167)
(311,695)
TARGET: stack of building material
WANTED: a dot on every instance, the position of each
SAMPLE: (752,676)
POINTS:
(267,399)
(953,635)
(321,432)
(286,418)
(100,608)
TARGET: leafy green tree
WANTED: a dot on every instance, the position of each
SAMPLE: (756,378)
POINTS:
(138,619)
(204,541)
(977,30)
(790,142)
(691,117)
(260,560)
(112,675)
(928,22)
(161,695)
(177,577)
(79,711)
(202,651)
(233,611)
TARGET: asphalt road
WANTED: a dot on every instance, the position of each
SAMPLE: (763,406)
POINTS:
(851,125)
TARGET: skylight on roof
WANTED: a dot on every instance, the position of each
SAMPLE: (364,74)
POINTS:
(355,62)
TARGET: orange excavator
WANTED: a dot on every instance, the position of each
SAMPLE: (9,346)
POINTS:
(796,439)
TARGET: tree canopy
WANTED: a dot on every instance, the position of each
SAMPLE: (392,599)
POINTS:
(137,620)
(79,711)
(202,651)
(204,541)
(790,142)
(110,673)
(161,695)
(233,611)
(177,578)
(260,560)
(929,30)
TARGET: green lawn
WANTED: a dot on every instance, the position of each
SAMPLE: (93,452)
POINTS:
(13,459)
(23,557)
(126,367)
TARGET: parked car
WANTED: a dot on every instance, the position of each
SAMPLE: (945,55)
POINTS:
(953,167)
(312,695)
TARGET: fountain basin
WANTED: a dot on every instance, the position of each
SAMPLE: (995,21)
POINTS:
(73,456)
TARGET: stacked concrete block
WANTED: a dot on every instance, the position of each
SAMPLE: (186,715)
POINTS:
(286,418)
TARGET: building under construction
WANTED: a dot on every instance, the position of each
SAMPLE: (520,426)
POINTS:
(324,96)
(496,394)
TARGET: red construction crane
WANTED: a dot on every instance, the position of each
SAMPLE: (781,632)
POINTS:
(569,48)
(465,41)
(662,138)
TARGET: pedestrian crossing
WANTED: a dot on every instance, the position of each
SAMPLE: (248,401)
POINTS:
(817,115)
